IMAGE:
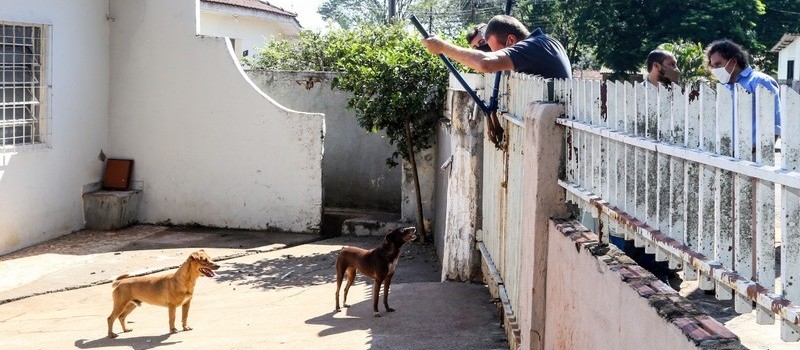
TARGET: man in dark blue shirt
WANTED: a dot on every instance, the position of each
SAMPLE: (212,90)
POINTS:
(513,48)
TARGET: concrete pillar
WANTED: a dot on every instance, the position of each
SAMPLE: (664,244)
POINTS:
(461,259)
(544,199)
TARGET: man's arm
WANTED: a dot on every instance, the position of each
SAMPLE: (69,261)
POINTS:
(483,62)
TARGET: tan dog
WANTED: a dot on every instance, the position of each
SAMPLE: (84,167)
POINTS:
(171,290)
(378,263)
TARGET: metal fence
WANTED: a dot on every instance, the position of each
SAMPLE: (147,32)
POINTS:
(684,174)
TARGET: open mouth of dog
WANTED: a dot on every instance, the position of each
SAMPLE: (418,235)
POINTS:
(411,235)
(207,272)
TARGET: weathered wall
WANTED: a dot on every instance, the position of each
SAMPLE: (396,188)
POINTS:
(426,170)
(461,218)
(40,190)
(210,147)
(598,298)
(544,199)
(354,168)
(443,156)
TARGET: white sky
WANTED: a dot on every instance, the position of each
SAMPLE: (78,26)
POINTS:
(306,12)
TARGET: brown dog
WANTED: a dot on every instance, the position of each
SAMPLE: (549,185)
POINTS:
(171,290)
(378,263)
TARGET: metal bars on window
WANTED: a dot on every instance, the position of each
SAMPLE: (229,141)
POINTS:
(24,91)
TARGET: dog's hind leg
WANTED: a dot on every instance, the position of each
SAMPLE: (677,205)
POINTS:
(119,308)
(339,277)
(376,291)
(128,309)
(351,276)
(386,284)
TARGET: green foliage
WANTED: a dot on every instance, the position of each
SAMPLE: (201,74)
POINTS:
(780,16)
(390,75)
(691,60)
(447,17)
(621,32)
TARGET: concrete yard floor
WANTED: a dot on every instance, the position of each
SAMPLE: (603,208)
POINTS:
(273,291)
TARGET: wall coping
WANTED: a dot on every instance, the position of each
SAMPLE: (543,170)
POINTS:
(703,330)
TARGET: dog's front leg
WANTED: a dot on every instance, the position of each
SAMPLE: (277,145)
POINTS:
(185,315)
(172,309)
(376,291)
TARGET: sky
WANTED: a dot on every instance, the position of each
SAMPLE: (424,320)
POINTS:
(306,12)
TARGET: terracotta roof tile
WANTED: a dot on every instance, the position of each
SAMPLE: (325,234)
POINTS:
(254,5)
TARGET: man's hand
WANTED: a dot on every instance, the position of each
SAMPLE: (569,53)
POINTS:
(433,44)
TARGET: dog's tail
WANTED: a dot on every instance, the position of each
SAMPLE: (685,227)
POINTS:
(118,279)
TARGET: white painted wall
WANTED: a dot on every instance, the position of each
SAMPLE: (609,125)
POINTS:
(251,32)
(210,148)
(40,191)
(791,52)
(355,174)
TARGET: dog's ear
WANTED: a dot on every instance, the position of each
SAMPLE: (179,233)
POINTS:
(195,255)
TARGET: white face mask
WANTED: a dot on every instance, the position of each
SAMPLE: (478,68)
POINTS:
(722,74)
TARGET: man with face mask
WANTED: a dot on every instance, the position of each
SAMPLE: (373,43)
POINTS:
(476,40)
(662,67)
(512,48)
(729,64)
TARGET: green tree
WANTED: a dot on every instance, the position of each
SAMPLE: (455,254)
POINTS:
(691,60)
(349,13)
(621,32)
(780,17)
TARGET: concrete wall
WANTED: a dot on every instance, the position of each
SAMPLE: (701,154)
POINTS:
(459,203)
(597,298)
(210,147)
(40,190)
(354,168)
(251,33)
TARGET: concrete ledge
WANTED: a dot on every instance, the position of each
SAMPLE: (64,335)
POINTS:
(497,290)
(700,329)
(110,210)
(361,227)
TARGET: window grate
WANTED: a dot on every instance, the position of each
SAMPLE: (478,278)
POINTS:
(24,88)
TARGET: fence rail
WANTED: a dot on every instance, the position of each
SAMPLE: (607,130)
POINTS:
(680,173)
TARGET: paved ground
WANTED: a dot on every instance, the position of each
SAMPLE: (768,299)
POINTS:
(273,291)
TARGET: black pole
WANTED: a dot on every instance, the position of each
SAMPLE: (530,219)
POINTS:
(392,10)
(453,70)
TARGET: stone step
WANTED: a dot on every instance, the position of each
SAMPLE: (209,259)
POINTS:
(362,227)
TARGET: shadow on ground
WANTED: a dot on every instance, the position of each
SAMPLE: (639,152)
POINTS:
(152,237)
(136,343)
(418,263)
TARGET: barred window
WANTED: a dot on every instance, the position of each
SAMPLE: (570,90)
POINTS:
(24,89)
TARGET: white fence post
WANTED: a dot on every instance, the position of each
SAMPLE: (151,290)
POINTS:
(743,205)
(708,181)
(723,197)
(765,200)
(790,225)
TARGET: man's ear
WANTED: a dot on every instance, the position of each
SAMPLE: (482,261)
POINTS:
(511,40)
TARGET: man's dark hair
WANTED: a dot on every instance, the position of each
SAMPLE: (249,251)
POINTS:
(478,29)
(728,49)
(657,55)
(502,26)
